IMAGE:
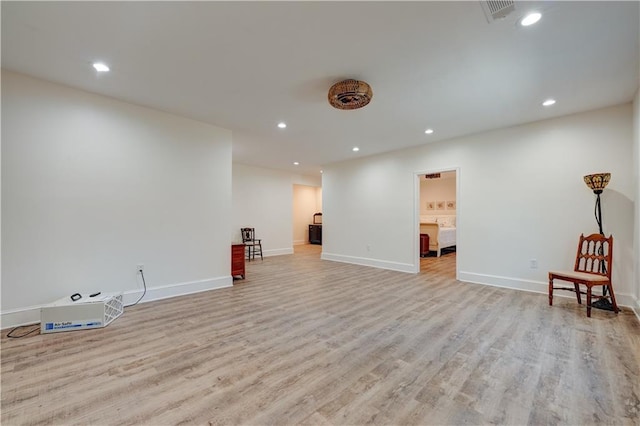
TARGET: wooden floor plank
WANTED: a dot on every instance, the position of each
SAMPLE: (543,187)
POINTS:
(306,341)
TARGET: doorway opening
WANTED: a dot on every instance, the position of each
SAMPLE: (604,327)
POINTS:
(307,204)
(437,220)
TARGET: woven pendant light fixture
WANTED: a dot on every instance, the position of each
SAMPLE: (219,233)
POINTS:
(350,94)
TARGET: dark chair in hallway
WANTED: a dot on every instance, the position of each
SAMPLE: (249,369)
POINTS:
(253,244)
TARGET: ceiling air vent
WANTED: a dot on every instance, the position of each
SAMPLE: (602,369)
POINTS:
(497,9)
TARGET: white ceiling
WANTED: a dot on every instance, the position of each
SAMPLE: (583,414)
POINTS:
(245,66)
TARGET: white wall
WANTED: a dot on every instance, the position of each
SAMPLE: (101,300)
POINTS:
(439,189)
(92,186)
(521,197)
(636,180)
(305,205)
(319,199)
(263,199)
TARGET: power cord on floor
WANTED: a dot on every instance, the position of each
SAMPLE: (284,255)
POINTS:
(145,289)
(10,334)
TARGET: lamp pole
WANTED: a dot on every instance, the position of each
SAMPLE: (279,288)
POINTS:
(597,182)
(598,211)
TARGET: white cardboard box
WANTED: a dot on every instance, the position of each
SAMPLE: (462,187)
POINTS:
(85,313)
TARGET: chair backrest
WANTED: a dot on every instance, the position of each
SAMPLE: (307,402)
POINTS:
(248,234)
(595,255)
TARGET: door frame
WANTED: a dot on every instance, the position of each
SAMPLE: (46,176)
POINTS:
(416,213)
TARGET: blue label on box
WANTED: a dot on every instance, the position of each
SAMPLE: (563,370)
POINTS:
(69,325)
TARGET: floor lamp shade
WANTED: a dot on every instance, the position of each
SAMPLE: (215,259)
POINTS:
(597,182)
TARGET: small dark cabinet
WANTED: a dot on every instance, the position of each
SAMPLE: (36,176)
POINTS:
(315,234)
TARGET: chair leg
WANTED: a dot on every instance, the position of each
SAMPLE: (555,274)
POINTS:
(261,258)
(577,287)
(551,292)
(589,301)
(613,299)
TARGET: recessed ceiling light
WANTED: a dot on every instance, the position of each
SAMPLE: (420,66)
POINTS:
(428,131)
(321,171)
(549,102)
(295,163)
(282,125)
(100,67)
(530,19)
(355,149)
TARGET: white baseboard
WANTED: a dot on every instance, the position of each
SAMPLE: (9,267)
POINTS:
(300,242)
(31,314)
(636,308)
(533,286)
(21,316)
(364,261)
(277,252)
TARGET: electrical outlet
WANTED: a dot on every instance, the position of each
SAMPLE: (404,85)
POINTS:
(139,267)
(533,264)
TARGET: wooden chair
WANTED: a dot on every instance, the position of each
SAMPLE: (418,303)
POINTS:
(594,261)
(254,245)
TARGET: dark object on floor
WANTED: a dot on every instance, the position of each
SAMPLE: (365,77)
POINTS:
(603,304)
(315,234)
(447,250)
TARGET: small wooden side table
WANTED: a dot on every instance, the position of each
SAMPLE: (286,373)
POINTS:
(237,260)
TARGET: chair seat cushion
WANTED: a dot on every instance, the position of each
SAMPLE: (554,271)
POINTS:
(583,276)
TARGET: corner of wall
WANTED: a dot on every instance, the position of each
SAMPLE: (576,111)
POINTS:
(636,309)
(636,192)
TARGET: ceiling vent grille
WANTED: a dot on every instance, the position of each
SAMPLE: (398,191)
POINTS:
(497,9)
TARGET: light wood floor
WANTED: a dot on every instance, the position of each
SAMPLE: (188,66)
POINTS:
(305,341)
